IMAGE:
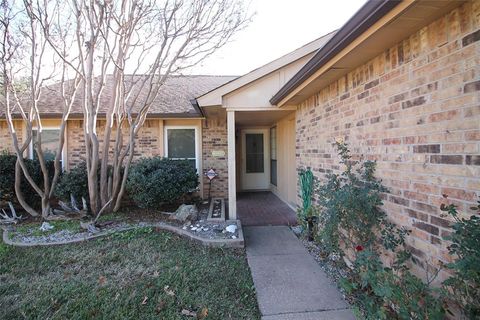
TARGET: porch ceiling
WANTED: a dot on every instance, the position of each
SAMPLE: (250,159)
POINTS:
(259,118)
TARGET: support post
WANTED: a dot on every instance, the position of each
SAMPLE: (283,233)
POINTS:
(232,186)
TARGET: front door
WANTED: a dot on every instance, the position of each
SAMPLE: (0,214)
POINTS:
(255,160)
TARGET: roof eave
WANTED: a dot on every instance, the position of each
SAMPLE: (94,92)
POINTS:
(368,14)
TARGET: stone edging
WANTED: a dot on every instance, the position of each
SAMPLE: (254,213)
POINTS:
(225,243)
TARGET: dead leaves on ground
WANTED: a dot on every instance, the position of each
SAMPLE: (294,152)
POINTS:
(200,315)
(188,313)
(169,291)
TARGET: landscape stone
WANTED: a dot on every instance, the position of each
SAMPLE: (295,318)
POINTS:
(185,212)
(231,228)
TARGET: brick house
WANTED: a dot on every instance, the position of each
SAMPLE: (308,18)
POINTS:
(399,82)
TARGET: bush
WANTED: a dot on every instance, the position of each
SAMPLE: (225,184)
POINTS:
(352,223)
(154,181)
(465,282)
(7,179)
(73,182)
(351,202)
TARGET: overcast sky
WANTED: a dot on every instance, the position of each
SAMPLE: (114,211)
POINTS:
(278,27)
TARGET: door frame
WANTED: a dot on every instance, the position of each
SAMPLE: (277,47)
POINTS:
(245,185)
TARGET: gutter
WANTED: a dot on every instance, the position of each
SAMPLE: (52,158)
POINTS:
(369,14)
(79,116)
(195,105)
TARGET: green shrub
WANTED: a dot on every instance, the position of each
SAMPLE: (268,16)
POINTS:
(351,219)
(7,179)
(465,282)
(351,202)
(154,181)
(73,182)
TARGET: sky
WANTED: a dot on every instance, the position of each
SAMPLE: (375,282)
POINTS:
(278,27)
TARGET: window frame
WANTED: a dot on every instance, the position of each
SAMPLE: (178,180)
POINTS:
(197,147)
(272,158)
(46,128)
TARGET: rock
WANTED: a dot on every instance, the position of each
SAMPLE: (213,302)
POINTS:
(234,237)
(231,228)
(193,229)
(297,230)
(185,212)
(46,227)
(89,226)
(184,228)
(205,229)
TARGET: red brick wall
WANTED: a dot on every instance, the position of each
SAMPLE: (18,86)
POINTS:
(415,109)
(147,144)
(214,137)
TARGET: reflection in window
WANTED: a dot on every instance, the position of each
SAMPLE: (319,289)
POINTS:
(50,141)
(181,144)
(254,152)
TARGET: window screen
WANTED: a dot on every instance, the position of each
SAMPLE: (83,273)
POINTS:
(254,152)
(181,145)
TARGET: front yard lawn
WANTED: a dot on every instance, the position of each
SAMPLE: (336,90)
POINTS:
(140,274)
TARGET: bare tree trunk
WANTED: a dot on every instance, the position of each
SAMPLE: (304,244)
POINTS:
(27,41)
(157,38)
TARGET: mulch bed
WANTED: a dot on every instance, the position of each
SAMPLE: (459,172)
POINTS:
(28,232)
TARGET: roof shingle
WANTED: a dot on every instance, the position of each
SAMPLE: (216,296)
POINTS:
(173,100)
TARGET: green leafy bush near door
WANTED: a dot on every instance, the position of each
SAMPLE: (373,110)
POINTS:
(154,181)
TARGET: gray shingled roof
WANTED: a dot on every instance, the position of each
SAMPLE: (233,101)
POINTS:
(174,98)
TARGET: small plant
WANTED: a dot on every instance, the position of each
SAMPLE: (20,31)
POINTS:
(465,282)
(307,215)
(73,182)
(306,187)
(351,204)
(155,181)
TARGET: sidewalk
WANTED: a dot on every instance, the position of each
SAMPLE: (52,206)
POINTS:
(289,283)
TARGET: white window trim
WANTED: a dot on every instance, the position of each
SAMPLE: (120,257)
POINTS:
(197,145)
(63,148)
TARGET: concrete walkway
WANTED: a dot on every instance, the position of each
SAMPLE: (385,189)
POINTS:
(289,283)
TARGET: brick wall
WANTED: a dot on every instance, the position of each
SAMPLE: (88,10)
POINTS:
(415,109)
(147,144)
(6,143)
(214,137)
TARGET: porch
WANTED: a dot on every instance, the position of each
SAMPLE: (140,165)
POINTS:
(264,209)
(262,166)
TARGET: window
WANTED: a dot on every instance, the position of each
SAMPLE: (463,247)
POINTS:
(273,156)
(181,143)
(254,152)
(50,141)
